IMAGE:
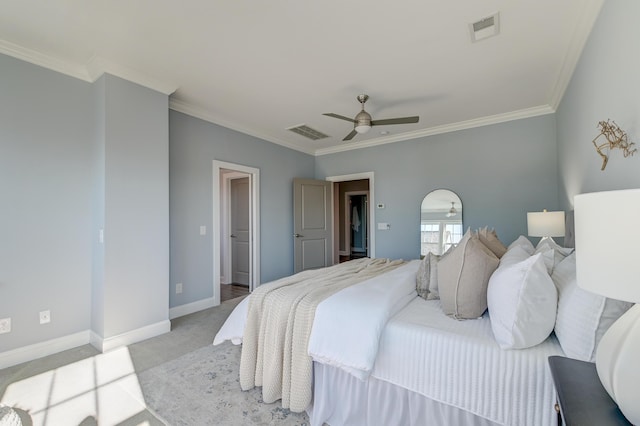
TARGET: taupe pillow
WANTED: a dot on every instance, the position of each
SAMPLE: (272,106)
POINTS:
(427,277)
(434,293)
(463,277)
(490,239)
(422,277)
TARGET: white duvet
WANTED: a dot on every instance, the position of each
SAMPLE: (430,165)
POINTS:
(348,324)
(233,328)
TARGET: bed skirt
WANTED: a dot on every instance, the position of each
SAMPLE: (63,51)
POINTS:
(341,399)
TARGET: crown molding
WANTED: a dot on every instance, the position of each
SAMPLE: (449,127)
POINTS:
(201,113)
(89,72)
(577,43)
(437,130)
(186,108)
(97,66)
(43,60)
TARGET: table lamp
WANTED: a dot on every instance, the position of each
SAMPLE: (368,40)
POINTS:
(608,263)
(545,224)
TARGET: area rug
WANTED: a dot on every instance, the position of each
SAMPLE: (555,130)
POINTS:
(202,388)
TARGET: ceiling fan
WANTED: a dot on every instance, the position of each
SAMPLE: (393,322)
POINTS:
(362,123)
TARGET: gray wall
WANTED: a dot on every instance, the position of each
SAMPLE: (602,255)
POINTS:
(75,158)
(46,128)
(98,207)
(193,145)
(500,172)
(136,216)
(605,85)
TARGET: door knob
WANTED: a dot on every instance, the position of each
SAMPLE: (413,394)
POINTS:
(298,235)
(232,236)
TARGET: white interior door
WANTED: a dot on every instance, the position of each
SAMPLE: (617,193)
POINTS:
(240,231)
(223,172)
(312,224)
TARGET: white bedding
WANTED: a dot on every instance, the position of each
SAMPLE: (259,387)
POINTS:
(233,327)
(347,326)
(460,364)
(341,399)
(456,363)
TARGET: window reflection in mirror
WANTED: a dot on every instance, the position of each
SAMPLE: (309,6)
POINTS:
(440,222)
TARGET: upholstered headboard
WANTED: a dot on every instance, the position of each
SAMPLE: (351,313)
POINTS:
(569,231)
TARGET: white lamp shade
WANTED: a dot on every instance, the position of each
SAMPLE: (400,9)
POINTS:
(607,232)
(545,224)
(607,263)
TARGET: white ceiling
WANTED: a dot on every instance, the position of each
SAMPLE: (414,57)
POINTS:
(263,66)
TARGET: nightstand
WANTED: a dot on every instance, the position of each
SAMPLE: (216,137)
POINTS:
(581,398)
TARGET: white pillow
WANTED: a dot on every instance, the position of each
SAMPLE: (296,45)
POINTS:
(522,302)
(583,317)
(523,242)
(515,254)
(550,243)
(552,253)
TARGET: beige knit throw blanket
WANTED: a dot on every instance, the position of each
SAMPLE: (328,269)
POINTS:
(279,322)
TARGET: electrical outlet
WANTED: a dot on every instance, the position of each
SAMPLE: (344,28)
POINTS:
(5,325)
(45,317)
(178,288)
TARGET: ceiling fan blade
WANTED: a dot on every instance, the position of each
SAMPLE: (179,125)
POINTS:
(341,117)
(350,135)
(400,120)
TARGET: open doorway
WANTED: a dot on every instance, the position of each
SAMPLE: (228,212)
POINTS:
(353,214)
(236,247)
(356,224)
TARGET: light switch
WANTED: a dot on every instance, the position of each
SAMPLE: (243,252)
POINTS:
(383,226)
(203,230)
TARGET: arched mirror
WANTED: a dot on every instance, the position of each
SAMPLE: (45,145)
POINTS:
(440,221)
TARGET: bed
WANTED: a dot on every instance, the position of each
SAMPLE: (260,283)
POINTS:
(376,353)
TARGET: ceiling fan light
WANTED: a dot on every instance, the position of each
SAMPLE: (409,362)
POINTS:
(362,128)
(452,211)
(363,122)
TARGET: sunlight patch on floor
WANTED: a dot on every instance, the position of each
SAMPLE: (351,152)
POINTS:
(103,388)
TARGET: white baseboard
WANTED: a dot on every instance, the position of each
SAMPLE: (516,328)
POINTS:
(53,346)
(190,308)
(133,336)
(39,350)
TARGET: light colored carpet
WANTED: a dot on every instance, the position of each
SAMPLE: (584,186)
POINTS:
(177,379)
(202,388)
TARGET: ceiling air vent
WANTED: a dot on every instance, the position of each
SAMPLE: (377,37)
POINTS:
(308,132)
(485,28)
